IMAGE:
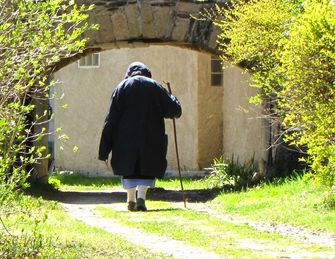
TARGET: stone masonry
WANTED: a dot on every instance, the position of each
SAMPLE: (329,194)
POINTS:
(128,22)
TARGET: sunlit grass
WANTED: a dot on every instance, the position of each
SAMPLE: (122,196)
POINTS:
(203,230)
(295,201)
(77,182)
(188,183)
(66,237)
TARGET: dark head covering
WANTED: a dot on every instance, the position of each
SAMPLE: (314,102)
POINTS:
(138,69)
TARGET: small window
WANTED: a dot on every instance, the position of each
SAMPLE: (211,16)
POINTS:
(216,72)
(90,61)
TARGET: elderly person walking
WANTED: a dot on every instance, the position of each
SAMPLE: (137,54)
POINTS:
(134,131)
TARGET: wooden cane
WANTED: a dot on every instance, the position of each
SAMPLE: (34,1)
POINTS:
(177,153)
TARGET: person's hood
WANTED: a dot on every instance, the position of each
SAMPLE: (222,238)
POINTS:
(138,69)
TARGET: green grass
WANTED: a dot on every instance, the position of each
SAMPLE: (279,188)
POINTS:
(77,182)
(188,183)
(203,230)
(91,241)
(294,201)
(62,236)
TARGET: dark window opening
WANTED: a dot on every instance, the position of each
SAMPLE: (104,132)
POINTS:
(216,72)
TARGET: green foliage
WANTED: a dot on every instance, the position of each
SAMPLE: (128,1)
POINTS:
(17,212)
(288,47)
(55,183)
(308,62)
(231,173)
(27,244)
(329,200)
(34,36)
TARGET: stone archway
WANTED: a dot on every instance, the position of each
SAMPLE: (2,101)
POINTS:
(133,22)
(136,23)
(140,23)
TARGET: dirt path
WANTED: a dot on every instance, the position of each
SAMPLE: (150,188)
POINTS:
(155,243)
(82,206)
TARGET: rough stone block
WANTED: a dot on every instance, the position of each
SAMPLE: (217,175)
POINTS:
(199,32)
(180,29)
(162,20)
(105,32)
(120,24)
(188,7)
(132,13)
(147,25)
(212,42)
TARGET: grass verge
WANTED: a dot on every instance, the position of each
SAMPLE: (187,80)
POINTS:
(295,201)
(49,232)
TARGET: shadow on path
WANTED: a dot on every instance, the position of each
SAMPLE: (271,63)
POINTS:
(156,194)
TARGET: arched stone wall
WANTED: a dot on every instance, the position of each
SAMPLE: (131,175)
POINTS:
(137,23)
(140,23)
(161,21)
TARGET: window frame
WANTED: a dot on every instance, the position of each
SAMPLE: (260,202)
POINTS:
(89,66)
(221,73)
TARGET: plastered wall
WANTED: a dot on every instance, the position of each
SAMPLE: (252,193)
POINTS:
(215,120)
(87,94)
(244,131)
(209,114)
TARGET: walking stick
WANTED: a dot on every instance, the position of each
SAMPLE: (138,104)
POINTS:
(177,153)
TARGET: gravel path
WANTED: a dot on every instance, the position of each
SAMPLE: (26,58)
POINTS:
(82,206)
(155,243)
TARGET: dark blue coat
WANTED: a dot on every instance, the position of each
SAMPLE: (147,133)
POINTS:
(134,128)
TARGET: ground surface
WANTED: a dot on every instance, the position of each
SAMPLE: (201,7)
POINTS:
(82,206)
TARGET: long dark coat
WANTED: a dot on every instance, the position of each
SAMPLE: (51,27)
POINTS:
(134,127)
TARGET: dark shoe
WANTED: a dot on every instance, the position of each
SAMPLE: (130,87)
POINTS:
(140,205)
(132,206)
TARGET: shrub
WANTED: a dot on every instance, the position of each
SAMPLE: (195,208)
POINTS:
(290,53)
(34,36)
(231,172)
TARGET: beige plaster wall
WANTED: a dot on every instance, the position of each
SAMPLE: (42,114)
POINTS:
(87,94)
(244,132)
(209,114)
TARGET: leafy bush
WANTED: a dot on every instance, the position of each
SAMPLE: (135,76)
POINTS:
(329,200)
(231,173)
(35,35)
(290,53)
(54,183)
